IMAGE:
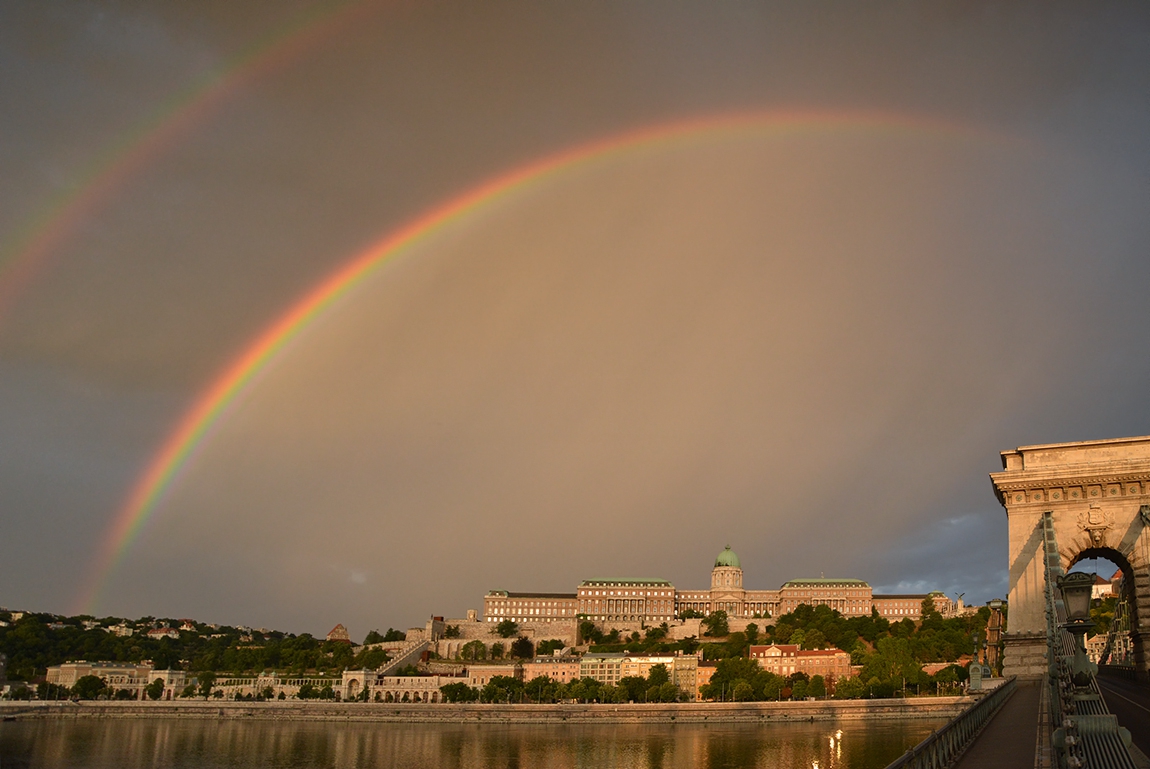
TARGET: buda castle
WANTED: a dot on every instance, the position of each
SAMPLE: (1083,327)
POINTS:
(654,601)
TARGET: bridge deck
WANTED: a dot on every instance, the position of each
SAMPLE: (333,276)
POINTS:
(1130,701)
(1009,739)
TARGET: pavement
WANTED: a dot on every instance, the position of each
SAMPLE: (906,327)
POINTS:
(1130,701)
(1009,739)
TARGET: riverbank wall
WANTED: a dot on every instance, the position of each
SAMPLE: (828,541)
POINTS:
(690,712)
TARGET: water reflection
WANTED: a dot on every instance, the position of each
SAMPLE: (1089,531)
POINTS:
(277,745)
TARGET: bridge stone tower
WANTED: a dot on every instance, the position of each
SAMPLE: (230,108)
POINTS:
(1099,495)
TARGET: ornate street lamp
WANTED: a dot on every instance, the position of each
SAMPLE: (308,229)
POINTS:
(1076,588)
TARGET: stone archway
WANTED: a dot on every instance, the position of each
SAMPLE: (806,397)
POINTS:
(1098,495)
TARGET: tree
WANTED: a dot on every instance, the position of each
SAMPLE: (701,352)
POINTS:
(459,692)
(497,650)
(452,631)
(849,688)
(658,675)
(155,690)
(752,633)
(89,687)
(373,637)
(589,632)
(522,648)
(474,650)
(394,635)
(716,624)
(657,633)
(507,628)
(743,691)
(817,687)
(206,679)
(502,689)
(306,691)
(634,687)
(668,692)
(549,646)
(799,690)
(690,614)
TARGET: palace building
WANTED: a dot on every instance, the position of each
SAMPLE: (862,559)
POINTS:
(654,601)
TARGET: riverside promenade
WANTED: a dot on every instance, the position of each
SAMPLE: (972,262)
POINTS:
(688,712)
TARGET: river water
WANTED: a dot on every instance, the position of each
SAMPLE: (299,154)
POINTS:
(193,744)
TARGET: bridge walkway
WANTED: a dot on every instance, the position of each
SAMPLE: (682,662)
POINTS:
(1010,737)
(1130,701)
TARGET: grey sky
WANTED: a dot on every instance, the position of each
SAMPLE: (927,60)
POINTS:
(810,347)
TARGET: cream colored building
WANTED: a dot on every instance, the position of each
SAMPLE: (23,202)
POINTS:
(683,669)
(788,659)
(563,669)
(119,675)
(645,602)
(606,668)
(500,605)
(650,601)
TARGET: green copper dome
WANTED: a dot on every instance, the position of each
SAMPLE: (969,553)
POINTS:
(728,558)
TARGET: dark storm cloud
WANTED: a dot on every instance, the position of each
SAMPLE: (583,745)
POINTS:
(836,412)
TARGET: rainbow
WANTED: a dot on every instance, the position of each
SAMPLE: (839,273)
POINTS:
(206,412)
(27,252)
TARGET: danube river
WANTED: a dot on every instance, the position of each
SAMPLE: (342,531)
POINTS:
(199,744)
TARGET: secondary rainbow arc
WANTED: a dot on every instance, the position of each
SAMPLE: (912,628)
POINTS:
(27,251)
(205,413)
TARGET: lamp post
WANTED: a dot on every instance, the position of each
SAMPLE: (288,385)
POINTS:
(1076,588)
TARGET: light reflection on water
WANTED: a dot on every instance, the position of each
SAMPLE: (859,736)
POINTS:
(140,744)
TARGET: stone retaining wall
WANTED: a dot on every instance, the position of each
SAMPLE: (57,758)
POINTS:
(761,712)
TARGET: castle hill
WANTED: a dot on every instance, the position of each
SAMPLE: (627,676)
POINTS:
(609,641)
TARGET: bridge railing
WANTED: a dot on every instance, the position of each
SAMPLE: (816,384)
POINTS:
(1085,734)
(944,746)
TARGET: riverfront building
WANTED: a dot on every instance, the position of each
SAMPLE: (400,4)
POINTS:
(654,601)
(119,676)
(787,659)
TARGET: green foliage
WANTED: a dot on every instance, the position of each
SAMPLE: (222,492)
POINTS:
(206,679)
(818,687)
(497,651)
(544,648)
(716,624)
(502,689)
(47,691)
(507,628)
(370,659)
(657,633)
(155,690)
(1102,612)
(734,671)
(588,632)
(407,670)
(658,675)
(473,651)
(451,631)
(373,637)
(394,635)
(32,647)
(307,691)
(752,633)
(522,648)
(459,692)
(690,614)
(634,687)
(89,687)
